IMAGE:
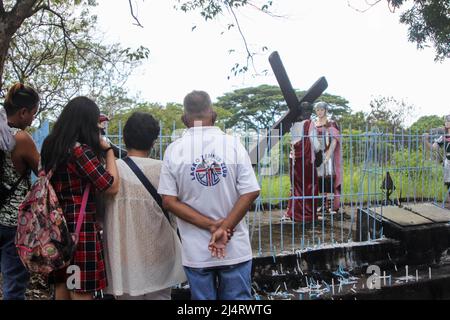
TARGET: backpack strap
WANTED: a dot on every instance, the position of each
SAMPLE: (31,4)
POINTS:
(82,209)
(11,191)
(84,201)
(148,185)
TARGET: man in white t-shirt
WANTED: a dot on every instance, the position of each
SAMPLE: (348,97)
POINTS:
(208,182)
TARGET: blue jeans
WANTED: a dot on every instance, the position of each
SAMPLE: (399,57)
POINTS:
(14,275)
(221,283)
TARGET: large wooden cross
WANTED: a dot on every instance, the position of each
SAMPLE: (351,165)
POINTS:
(296,107)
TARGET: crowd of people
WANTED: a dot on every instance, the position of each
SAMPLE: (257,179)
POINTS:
(136,249)
(149,225)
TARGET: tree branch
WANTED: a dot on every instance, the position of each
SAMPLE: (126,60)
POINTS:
(249,54)
(369,4)
(23,9)
(67,36)
(137,22)
(2,8)
(39,6)
(269,13)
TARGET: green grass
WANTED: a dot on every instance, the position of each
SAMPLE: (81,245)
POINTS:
(275,187)
(412,184)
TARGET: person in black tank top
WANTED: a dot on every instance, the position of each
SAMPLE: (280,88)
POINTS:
(18,156)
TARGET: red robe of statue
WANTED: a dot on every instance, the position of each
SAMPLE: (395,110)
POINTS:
(303,176)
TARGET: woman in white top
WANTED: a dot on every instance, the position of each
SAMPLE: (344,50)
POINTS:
(143,252)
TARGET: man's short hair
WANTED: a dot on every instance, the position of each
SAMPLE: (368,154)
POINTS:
(197,102)
(140,131)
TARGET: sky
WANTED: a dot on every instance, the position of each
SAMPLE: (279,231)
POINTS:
(362,55)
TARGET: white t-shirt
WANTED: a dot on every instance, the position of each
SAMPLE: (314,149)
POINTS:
(209,170)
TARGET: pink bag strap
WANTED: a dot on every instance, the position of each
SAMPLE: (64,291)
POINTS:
(82,209)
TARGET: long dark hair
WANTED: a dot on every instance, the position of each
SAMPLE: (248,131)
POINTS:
(78,122)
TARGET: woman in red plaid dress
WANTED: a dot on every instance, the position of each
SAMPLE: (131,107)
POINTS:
(75,151)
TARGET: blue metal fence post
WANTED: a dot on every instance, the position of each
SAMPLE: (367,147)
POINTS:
(38,137)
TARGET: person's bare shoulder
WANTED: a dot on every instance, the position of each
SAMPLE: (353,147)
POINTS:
(24,140)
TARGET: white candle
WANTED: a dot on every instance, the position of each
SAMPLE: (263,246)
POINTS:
(332,285)
(277,290)
(406,273)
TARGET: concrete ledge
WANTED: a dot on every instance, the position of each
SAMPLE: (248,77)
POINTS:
(423,244)
(438,288)
(348,255)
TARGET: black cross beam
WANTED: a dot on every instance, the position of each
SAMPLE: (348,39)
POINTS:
(296,112)
(296,107)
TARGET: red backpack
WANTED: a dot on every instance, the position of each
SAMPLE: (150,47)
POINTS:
(43,241)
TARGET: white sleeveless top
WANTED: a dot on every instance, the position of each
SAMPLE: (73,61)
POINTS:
(142,249)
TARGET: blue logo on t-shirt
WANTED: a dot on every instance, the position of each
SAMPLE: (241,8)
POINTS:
(208,170)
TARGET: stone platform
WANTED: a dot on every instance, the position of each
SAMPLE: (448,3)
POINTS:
(422,228)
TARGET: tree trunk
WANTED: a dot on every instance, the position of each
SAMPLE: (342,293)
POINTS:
(10,22)
(5,40)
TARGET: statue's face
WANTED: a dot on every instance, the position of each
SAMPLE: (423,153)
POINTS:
(321,112)
(447,124)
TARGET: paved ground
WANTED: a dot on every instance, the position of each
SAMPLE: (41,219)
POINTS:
(37,290)
(268,236)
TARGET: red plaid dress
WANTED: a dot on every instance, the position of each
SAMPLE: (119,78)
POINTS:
(69,181)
